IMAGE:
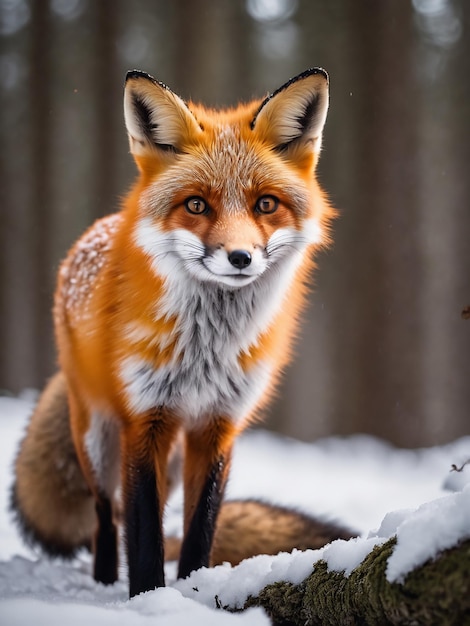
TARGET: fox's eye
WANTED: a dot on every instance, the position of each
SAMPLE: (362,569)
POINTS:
(195,205)
(267,204)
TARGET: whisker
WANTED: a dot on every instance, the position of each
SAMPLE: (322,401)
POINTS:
(287,244)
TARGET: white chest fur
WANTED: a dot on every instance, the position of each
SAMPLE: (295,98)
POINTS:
(215,327)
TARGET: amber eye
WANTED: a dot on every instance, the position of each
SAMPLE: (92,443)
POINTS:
(267,204)
(195,205)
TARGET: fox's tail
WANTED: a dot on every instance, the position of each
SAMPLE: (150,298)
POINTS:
(50,499)
(54,508)
(246,528)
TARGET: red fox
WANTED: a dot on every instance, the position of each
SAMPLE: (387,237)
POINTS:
(175,317)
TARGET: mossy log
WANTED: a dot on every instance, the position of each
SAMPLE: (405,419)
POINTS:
(436,593)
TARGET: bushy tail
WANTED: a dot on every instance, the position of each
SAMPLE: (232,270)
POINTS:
(50,499)
(54,508)
(249,527)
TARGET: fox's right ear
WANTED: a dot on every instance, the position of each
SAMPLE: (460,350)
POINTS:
(157,120)
(293,117)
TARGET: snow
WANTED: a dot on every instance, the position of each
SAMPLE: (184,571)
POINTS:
(360,481)
(80,270)
(433,527)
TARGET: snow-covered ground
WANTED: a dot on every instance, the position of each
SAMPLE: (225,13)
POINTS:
(362,482)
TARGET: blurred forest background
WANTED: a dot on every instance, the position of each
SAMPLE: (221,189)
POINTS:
(384,349)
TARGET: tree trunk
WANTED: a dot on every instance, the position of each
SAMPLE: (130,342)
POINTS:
(436,593)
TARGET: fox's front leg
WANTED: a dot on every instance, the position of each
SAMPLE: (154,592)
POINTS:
(146,443)
(207,461)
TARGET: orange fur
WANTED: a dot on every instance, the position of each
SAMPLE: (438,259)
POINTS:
(172,319)
(217,438)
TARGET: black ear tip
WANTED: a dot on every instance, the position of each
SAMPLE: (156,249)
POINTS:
(313,71)
(139,74)
(316,70)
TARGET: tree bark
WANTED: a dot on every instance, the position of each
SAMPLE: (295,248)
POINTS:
(436,593)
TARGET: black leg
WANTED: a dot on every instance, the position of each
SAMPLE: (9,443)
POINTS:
(145,446)
(197,543)
(144,534)
(106,548)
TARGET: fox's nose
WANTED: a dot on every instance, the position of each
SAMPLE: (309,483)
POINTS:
(240,259)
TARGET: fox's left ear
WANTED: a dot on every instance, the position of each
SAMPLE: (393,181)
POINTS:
(158,122)
(295,114)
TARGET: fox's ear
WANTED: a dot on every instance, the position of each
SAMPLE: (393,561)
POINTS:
(156,118)
(295,114)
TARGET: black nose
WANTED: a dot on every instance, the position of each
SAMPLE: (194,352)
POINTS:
(240,259)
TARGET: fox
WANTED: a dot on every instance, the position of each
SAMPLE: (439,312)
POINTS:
(54,508)
(175,316)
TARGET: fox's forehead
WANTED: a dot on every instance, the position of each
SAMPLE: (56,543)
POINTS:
(231,172)
(228,160)
(230,166)
(227,140)
(231,157)
(230,163)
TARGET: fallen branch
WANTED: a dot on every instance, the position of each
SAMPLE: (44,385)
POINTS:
(438,592)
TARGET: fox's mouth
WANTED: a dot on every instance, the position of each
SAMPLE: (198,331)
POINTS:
(241,275)
(239,279)
(231,280)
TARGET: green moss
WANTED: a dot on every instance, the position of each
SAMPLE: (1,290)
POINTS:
(438,593)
